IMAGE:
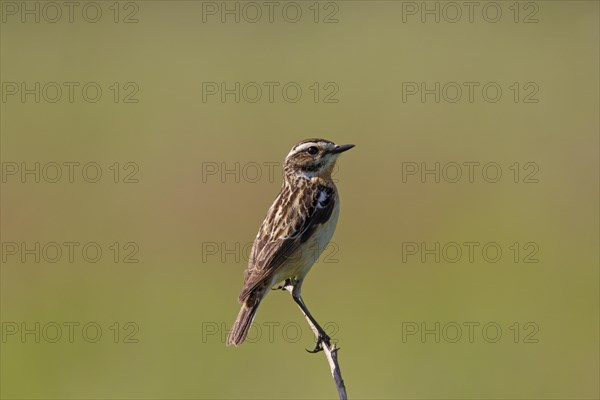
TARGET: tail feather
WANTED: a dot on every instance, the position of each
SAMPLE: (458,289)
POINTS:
(242,324)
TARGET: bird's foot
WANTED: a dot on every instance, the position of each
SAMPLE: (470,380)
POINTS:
(322,338)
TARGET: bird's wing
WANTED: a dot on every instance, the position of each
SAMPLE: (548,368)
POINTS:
(292,219)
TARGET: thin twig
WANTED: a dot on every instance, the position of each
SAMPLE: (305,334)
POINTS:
(331,353)
(329,349)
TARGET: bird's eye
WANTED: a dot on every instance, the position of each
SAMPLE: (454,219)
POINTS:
(312,150)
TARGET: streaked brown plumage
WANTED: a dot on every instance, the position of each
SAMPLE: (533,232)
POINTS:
(295,231)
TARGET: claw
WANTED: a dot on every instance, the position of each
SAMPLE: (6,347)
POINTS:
(323,338)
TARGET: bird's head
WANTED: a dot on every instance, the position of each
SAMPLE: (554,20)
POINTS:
(313,157)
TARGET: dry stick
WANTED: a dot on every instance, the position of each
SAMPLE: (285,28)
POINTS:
(331,353)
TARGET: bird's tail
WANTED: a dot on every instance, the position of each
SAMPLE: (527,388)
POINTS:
(240,329)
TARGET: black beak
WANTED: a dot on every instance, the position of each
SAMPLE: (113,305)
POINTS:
(341,148)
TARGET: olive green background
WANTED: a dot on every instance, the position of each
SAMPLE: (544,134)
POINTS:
(179,292)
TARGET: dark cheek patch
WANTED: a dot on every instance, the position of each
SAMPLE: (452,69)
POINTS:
(312,167)
(302,159)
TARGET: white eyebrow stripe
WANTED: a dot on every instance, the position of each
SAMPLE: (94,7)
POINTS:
(302,147)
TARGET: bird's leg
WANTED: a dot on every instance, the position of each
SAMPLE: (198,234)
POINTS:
(287,285)
(322,337)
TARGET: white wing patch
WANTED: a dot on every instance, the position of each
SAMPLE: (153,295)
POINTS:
(323,197)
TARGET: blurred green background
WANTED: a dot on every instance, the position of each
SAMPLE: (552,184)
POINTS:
(186,213)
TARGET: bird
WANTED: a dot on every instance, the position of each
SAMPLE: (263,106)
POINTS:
(296,229)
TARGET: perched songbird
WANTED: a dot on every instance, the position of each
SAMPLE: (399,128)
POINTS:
(297,228)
